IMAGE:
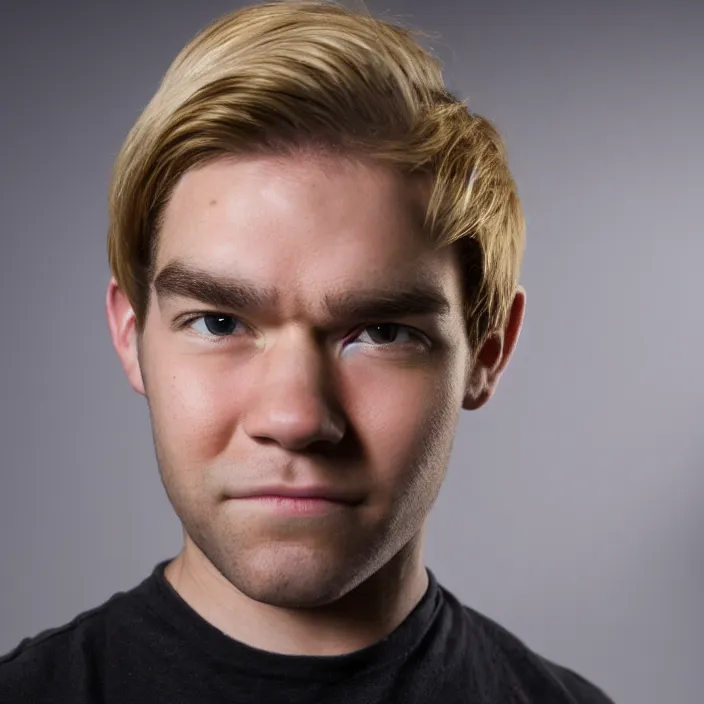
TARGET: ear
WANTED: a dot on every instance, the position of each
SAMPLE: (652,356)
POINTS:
(489,363)
(123,331)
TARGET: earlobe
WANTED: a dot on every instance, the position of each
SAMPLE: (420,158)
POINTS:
(478,389)
(493,357)
(123,332)
(473,401)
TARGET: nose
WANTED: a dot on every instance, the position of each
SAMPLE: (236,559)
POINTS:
(292,402)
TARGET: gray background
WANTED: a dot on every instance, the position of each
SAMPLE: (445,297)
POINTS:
(573,513)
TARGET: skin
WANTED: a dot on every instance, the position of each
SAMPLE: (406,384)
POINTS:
(294,393)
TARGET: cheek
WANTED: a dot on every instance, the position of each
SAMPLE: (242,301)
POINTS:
(406,421)
(194,409)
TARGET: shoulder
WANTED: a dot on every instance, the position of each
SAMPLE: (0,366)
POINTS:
(58,659)
(583,691)
(525,674)
(534,671)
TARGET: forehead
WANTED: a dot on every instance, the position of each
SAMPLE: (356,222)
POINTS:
(301,223)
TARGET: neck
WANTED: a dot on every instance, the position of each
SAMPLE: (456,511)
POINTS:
(365,615)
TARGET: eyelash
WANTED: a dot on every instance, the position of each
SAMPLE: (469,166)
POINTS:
(420,339)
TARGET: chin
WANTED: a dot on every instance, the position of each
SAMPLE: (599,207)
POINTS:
(288,575)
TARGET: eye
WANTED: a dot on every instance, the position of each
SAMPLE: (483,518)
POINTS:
(214,325)
(217,327)
(389,333)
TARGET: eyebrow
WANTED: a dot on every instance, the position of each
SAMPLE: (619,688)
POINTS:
(404,299)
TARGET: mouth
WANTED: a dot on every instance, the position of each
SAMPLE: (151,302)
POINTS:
(301,501)
(296,506)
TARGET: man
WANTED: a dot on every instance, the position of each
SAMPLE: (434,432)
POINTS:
(315,252)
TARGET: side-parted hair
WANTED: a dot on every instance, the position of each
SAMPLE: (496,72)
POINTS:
(281,77)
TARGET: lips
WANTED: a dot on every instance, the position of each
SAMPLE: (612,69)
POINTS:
(289,502)
(282,491)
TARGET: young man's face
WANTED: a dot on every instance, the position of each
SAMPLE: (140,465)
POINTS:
(302,334)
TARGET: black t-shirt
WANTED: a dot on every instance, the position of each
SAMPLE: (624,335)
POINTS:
(147,646)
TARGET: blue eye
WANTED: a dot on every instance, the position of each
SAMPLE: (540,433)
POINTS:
(216,325)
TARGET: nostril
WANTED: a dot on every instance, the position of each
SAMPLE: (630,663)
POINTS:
(295,431)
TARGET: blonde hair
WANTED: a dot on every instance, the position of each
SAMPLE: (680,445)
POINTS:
(309,74)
